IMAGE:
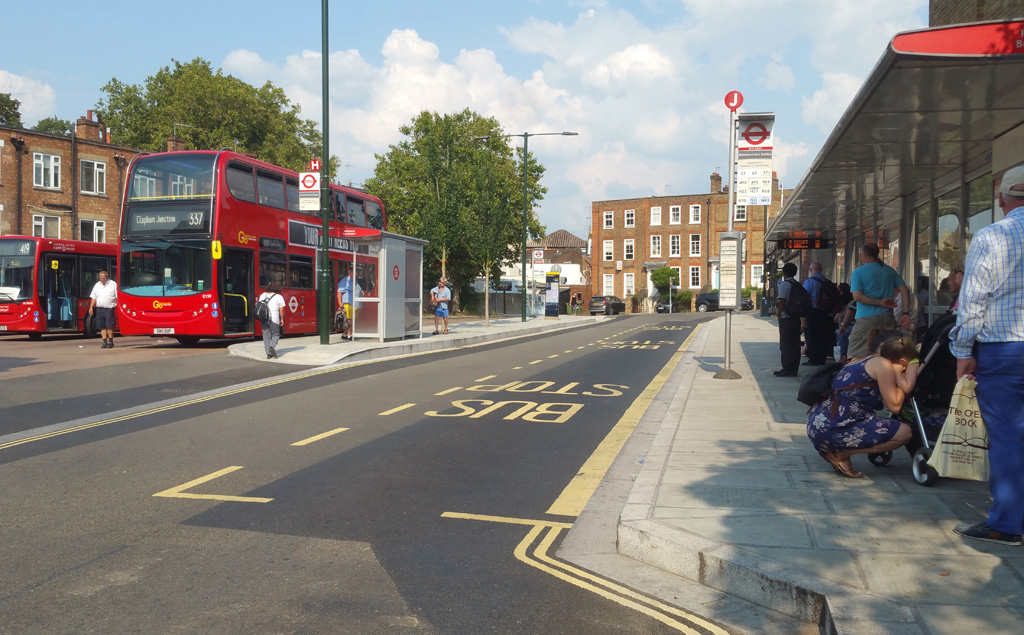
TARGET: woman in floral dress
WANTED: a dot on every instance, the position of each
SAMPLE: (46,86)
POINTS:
(847,423)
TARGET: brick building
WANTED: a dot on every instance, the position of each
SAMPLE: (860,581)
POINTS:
(62,187)
(944,12)
(633,237)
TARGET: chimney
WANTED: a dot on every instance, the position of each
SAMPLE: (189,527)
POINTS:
(174,144)
(775,180)
(86,128)
(716,182)
(725,189)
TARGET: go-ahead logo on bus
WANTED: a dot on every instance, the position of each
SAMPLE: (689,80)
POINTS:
(157,304)
(244,238)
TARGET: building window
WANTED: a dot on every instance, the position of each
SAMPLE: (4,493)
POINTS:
(45,226)
(675,215)
(694,244)
(655,246)
(94,177)
(93,231)
(145,187)
(609,250)
(1,161)
(609,220)
(627,285)
(630,218)
(609,284)
(695,214)
(674,248)
(694,277)
(756,271)
(182,186)
(655,216)
(741,213)
(627,249)
(679,277)
(46,170)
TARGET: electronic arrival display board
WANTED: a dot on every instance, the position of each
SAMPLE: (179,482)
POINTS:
(803,243)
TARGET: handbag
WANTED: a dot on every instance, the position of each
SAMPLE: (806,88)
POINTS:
(431,308)
(962,448)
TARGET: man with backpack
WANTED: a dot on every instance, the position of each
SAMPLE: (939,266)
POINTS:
(791,305)
(270,313)
(821,319)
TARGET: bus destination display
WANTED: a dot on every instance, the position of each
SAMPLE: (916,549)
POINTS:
(176,220)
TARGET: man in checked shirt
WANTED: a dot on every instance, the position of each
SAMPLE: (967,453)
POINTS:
(988,342)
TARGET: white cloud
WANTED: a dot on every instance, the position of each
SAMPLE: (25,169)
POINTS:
(827,104)
(777,77)
(38,100)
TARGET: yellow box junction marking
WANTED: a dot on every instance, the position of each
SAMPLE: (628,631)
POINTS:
(179,491)
(320,436)
(664,613)
(398,409)
(574,497)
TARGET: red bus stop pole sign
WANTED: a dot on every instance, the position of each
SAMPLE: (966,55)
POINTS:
(733,100)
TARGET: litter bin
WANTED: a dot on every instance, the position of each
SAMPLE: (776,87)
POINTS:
(765,308)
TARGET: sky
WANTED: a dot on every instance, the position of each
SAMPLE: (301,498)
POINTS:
(641,82)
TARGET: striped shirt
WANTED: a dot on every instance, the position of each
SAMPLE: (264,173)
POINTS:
(992,297)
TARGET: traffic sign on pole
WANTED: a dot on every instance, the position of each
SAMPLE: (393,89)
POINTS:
(309,183)
(314,165)
(733,100)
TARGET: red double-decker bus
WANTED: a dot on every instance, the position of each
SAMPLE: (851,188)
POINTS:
(203,233)
(45,284)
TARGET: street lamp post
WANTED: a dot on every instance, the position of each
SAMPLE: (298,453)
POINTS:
(526,158)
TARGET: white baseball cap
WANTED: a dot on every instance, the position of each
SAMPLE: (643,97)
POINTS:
(1013,182)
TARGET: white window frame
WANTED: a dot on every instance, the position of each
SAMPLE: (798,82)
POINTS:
(630,218)
(695,214)
(609,220)
(609,250)
(39,225)
(628,285)
(740,213)
(99,229)
(1,160)
(608,284)
(695,269)
(628,249)
(656,246)
(655,216)
(675,248)
(679,272)
(698,242)
(46,167)
(182,185)
(675,215)
(756,271)
(145,185)
(99,177)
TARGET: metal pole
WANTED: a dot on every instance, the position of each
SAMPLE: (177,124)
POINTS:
(526,159)
(727,372)
(325,192)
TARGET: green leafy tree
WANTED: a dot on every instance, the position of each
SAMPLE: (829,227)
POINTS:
(212,111)
(661,278)
(10,111)
(443,185)
(54,125)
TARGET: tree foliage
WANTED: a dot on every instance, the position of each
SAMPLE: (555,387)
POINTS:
(212,111)
(54,125)
(10,111)
(661,277)
(462,194)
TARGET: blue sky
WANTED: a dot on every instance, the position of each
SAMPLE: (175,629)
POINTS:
(641,82)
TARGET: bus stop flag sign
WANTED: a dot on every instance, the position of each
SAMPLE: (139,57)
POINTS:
(309,191)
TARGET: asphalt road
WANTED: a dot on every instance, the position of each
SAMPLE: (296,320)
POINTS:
(424,494)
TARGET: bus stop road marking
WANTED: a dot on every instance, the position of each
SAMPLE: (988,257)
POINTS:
(456,388)
(320,436)
(666,614)
(482,379)
(574,497)
(398,409)
(179,491)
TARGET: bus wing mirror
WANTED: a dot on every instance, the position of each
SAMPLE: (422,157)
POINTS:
(216,249)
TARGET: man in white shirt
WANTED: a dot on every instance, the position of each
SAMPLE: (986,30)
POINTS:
(272,327)
(102,304)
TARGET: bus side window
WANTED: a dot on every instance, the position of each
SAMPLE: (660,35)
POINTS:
(356,215)
(339,207)
(240,183)
(374,215)
(300,270)
(270,187)
(273,268)
(292,186)
(91,268)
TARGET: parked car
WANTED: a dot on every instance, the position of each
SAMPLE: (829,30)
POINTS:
(662,307)
(709,302)
(607,304)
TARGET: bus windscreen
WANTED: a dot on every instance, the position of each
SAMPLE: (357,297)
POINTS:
(176,176)
(159,268)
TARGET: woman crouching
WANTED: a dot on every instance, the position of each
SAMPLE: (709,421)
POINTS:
(847,424)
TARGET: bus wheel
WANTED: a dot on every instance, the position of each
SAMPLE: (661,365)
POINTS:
(90,326)
(35,337)
(187,340)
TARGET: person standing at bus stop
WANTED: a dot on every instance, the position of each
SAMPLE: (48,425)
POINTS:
(873,285)
(347,288)
(440,296)
(102,304)
(272,327)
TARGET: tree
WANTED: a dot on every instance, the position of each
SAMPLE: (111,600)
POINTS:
(10,111)
(442,185)
(212,111)
(661,277)
(54,125)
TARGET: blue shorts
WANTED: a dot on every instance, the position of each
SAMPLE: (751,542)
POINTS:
(442,311)
(104,318)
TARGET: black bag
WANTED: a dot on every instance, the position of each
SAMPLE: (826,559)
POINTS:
(341,322)
(799,302)
(263,308)
(830,298)
(817,386)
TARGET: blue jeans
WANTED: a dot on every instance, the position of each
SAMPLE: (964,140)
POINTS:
(1000,394)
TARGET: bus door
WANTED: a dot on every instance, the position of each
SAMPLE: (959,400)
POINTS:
(57,293)
(237,290)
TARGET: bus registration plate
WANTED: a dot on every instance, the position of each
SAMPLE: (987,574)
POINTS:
(3,327)
(165,331)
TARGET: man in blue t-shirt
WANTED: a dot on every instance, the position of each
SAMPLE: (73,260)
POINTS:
(873,285)
(347,288)
(440,296)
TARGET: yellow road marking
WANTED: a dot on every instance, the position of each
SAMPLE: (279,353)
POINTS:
(319,436)
(486,378)
(394,410)
(580,347)
(567,352)
(507,520)
(517,368)
(574,497)
(537,362)
(179,491)
(553,356)
(456,388)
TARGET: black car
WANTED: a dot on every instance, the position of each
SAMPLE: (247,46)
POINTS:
(709,302)
(662,307)
(607,304)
